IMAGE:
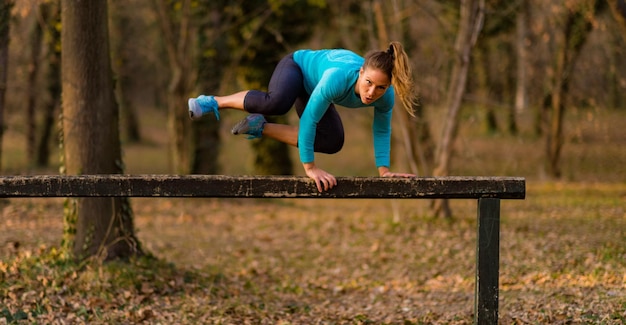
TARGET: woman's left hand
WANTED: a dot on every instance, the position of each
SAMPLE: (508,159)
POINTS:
(390,174)
(385,172)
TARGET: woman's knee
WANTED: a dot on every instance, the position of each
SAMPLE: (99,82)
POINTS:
(279,103)
(330,145)
(267,103)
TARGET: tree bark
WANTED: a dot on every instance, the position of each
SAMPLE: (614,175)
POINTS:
(470,24)
(93,227)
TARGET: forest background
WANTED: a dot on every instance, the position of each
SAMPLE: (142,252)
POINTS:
(516,88)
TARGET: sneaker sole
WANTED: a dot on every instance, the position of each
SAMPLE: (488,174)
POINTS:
(237,128)
(193,107)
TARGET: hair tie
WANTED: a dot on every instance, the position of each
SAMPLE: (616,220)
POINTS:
(390,51)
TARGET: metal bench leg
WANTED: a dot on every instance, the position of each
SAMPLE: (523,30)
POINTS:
(487,261)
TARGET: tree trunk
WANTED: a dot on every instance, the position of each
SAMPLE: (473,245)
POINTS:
(470,24)
(615,98)
(214,56)
(272,157)
(577,26)
(31,88)
(119,28)
(93,227)
(52,38)
(175,26)
(414,131)
(5,23)
(482,86)
(521,38)
(618,9)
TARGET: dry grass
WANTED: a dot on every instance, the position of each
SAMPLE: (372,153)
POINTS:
(563,252)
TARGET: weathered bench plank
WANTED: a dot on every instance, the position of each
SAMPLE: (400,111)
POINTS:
(259,186)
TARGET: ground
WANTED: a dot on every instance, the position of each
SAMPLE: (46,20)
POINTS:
(321,261)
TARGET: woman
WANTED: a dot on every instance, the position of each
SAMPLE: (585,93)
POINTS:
(316,80)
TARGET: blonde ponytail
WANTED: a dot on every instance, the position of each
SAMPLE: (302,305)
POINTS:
(395,63)
(402,77)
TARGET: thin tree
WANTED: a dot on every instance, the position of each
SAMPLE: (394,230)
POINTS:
(577,23)
(522,51)
(176,26)
(51,41)
(392,24)
(35,40)
(618,9)
(5,16)
(491,79)
(120,53)
(213,57)
(93,227)
(470,24)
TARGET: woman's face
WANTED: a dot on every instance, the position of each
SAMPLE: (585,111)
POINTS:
(371,85)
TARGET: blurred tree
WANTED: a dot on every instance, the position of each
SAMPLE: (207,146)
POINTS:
(35,40)
(177,29)
(392,23)
(577,22)
(521,49)
(93,227)
(213,57)
(616,98)
(618,9)
(5,17)
(52,42)
(120,30)
(493,60)
(352,25)
(470,23)
(273,29)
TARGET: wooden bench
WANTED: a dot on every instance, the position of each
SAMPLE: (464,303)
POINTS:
(488,191)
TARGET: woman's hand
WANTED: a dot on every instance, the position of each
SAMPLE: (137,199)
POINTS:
(385,172)
(323,180)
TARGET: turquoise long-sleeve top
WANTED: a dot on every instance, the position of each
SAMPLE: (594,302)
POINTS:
(330,77)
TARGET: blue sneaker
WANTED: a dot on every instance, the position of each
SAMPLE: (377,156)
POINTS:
(252,125)
(202,105)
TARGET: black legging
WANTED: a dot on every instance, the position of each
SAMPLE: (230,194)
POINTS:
(285,90)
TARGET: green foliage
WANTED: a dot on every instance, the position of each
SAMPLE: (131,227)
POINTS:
(270,35)
(500,17)
(70,218)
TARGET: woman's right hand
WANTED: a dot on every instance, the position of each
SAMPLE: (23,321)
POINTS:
(323,180)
